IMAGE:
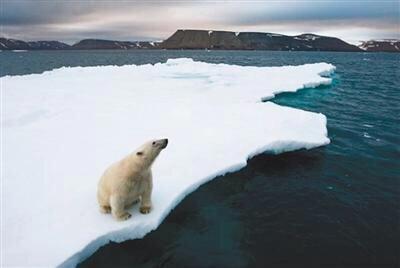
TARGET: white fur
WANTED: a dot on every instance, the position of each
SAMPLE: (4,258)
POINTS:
(128,181)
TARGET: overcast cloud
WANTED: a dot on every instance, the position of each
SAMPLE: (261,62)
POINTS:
(72,20)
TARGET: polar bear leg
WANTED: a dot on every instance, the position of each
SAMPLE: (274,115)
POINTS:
(118,208)
(145,206)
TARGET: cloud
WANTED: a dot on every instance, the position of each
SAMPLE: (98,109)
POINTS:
(151,20)
(262,12)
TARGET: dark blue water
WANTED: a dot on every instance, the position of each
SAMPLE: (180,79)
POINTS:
(336,206)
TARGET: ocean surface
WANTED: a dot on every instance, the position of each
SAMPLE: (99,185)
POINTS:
(334,206)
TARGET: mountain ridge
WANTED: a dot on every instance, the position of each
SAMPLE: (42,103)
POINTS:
(14,44)
(203,39)
(385,45)
(216,40)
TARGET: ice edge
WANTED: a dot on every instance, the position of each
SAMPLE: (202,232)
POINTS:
(120,235)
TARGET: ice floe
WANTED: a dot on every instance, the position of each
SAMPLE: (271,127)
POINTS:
(62,128)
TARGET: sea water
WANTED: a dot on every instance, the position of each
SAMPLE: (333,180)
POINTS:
(337,205)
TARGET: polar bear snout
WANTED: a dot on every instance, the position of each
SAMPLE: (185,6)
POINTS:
(164,143)
(160,143)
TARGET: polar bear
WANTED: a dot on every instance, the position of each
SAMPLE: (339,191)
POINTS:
(129,180)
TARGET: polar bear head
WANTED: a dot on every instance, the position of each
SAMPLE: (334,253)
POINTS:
(149,151)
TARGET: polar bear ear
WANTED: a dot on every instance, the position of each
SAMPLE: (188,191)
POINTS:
(139,153)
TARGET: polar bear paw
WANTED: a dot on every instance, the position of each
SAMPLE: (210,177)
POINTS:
(145,210)
(124,216)
(105,209)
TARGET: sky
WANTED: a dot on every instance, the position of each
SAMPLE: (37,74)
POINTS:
(128,20)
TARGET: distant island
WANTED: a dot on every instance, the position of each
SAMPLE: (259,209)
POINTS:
(217,40)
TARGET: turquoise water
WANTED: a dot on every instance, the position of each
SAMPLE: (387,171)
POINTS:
(336,206)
